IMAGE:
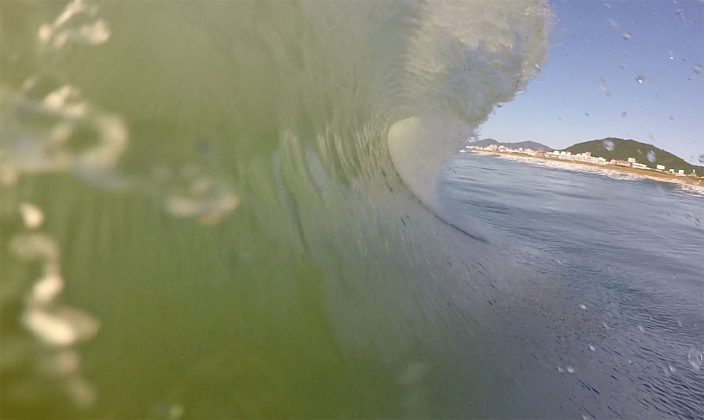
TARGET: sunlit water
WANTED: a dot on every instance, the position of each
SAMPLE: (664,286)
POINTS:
(231,209)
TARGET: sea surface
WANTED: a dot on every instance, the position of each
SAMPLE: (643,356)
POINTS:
(245,210)
(628,251)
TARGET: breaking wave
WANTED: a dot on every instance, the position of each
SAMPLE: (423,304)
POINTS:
(237,175)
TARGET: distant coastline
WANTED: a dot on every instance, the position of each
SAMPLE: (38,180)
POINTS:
(614,170)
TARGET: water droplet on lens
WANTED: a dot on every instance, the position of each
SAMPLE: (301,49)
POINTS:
(641,329)
(592,348)
(696,359)
(570,369)
(624,114)
(627,36)
(697,69)
(559,369)
(31,215)
(651,156)
(608,145)
(640,79)
(603,86)
(584,307)
(701,158)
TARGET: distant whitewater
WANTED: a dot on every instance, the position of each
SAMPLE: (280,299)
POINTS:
(230,209)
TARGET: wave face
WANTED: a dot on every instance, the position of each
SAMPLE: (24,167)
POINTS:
(212,209)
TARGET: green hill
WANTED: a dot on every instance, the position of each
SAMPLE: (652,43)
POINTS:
(524,144)
(647,154)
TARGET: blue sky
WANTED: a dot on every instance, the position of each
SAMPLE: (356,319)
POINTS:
(589,56)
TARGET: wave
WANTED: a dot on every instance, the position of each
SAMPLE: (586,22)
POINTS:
(247,175)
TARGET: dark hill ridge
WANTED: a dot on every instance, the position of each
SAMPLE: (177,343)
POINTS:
(647,154)
(521,144)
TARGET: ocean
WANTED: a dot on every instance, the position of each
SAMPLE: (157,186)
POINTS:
(257,209)
(627,251)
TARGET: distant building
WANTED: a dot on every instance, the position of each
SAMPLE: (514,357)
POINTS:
(680,172)
(588,154)
(631,160)
(639,165)
(660,167)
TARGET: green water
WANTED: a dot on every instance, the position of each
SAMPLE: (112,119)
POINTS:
(232,237)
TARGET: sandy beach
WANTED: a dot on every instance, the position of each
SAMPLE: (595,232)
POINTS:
(688,183)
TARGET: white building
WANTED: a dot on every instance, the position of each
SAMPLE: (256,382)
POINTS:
(660,167)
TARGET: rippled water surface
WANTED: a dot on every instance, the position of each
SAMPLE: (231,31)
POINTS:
(629,251)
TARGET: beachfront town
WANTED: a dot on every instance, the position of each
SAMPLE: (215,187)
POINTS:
(585,157)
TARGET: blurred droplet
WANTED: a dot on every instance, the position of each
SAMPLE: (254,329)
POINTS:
(34,246)
(640,79)
(81,391)
(9,175)
(46,289)
(570,369)
(672,118)
(651,156)
(608,145)
(61,327)
(559,369)
(697,69)
(671,56)
(622,67)
(624,114)
(671,368)
(586,114)
(696,358)
(592,348)
(701,158)
(604,87)
(583,307)
(31,215)
(613,24)
(168,411)
(641,329)
(627,36)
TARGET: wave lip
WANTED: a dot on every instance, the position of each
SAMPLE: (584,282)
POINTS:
(464,59)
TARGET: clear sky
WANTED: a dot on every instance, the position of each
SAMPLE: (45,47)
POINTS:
(588,88)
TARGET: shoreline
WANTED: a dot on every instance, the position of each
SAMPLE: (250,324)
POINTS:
(625,173)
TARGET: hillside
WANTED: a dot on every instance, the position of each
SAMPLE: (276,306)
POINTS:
(647,154)
(524,144)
